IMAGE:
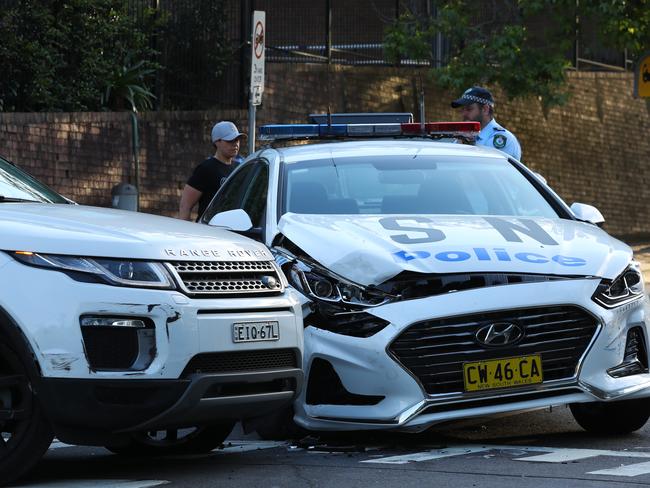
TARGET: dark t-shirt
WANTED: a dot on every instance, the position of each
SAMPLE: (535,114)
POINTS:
(207,178)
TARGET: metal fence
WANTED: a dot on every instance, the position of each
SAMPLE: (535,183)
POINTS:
(205,58)
(332,31)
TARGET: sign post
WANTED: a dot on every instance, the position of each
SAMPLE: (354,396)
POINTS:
(642,77)
(258,45)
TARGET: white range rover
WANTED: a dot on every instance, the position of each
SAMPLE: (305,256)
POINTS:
(145,334)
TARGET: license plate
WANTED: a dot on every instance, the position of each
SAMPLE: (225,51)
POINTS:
(502,373)
(255,331)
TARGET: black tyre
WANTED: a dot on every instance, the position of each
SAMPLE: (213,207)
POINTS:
(612,418)
(195,440)
(279,426)
(25,433)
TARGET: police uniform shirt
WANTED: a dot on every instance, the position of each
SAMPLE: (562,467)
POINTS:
(493,135)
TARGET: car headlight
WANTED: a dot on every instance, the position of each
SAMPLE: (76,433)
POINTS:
(336,305)
(116,272)
(627,287)
(324,286)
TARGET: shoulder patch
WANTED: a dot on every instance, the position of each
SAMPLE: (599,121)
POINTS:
(499,141)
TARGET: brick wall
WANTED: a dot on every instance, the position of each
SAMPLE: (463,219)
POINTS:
(83,155)
(595,149)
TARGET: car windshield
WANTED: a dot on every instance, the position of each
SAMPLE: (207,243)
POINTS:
(16,185)
(408,185)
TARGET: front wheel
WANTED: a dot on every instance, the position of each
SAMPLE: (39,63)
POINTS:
(194,440)
(25,433)
(612,418)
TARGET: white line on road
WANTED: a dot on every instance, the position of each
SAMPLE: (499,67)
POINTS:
(629,470)
(429,455)
(551,455)
(567,455)
(100,484)
(562,455)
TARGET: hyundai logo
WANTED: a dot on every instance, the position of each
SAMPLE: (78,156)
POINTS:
(499,334)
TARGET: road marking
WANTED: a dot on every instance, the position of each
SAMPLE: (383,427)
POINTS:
(100,484)
(629,470)
(551,455)
(429,455)
(565,455)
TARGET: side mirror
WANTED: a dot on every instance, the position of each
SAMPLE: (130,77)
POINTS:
(588,213)
(236,220)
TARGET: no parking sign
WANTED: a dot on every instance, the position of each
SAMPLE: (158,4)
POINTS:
(258,43)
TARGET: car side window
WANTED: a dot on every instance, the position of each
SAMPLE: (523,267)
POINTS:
(230,195)
(254,199)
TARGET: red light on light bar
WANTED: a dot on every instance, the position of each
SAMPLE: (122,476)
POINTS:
(453,127)
(441,127)
(413,128)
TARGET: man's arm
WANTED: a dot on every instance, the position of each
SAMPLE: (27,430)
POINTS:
(189,197)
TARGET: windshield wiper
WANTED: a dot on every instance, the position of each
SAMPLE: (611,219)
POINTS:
(14,199)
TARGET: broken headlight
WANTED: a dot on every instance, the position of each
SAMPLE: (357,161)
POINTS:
(337,305)
(323,286)
(625,288)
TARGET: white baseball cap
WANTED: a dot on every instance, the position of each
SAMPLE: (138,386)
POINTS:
(226,131)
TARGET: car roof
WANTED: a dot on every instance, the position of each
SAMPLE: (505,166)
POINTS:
(292,154)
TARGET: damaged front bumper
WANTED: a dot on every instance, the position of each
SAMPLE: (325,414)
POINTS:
(381,389)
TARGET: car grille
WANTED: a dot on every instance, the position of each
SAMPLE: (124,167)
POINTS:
(242,361)
(227,277)
(434,350)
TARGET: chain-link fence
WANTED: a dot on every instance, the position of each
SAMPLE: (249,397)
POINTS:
(204,44)
(317,31)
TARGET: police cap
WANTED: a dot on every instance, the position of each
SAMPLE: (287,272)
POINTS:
(476,94)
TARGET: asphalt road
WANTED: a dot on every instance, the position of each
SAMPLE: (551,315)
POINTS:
(545,448)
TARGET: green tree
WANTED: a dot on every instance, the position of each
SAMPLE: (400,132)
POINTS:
(523,46)
(60,55)
(196,52)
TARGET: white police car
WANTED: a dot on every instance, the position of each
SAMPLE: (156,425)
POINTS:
(442,281)
(146,334)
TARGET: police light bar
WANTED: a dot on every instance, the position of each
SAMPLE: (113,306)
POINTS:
(435,130)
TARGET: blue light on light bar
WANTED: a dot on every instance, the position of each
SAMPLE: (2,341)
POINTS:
(287,131)
(274,132)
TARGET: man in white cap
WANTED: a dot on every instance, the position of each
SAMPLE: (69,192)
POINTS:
(478,106)
(211,173)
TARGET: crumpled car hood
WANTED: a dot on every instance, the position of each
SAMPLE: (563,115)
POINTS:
(104,232)
(370,249)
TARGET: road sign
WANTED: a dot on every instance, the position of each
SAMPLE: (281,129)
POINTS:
(258,44)
(642,77)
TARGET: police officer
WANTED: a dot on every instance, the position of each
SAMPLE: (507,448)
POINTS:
(478,106)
